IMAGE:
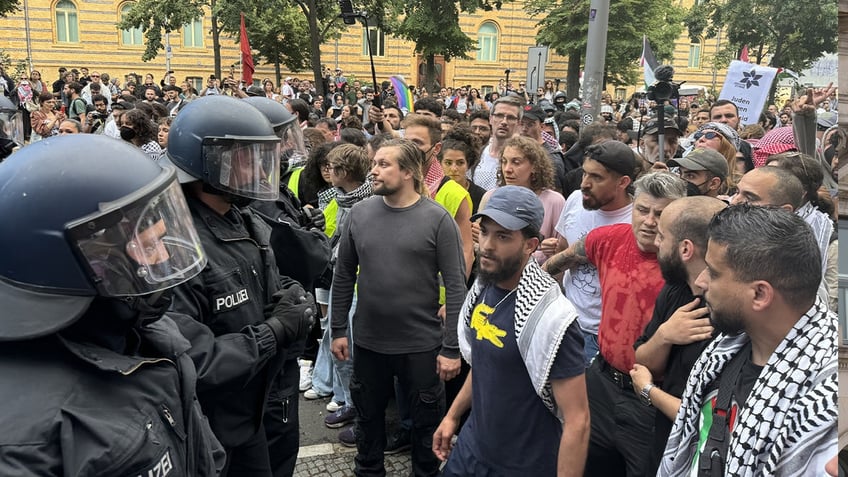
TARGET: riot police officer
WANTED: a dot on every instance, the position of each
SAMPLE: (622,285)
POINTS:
(303,253)
(94,379)
(230,156)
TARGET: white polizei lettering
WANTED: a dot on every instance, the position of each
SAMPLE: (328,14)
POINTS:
(229,301)
(162,468)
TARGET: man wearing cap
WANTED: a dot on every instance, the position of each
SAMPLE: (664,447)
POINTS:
(626,257)
(609,169)
(531,126)
(649,144)
(528,363)
(704,169)
(172,95)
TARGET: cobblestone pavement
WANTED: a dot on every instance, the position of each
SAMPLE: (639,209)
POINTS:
(321,454)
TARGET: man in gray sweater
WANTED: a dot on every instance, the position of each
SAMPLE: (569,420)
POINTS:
(399,243)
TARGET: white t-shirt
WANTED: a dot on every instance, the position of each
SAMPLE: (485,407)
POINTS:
(486,172)
(582,285)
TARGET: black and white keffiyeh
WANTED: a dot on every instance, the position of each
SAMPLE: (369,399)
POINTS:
(787,426)
(542,315)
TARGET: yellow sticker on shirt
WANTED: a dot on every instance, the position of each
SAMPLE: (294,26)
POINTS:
(485,330)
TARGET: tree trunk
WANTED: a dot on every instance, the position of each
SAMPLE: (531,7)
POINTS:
(216,41)
(430,74)
(277,75)
(315,46)
(572,79)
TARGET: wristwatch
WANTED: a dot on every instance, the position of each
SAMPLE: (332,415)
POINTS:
(645,394)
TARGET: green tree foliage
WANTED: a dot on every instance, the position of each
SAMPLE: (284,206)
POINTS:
(433,25)
(8,7)
(285,32)
(789,33)
(566,26)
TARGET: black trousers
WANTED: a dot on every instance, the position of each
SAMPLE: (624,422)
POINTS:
(282,422)
(371,387)
(249,459)
(622,436)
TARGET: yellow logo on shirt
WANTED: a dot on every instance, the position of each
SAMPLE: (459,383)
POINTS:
(486,330)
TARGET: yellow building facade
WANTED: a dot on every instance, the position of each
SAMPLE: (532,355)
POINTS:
(76,33)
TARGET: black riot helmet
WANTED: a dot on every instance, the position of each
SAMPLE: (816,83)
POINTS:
(227,144)
(87,216)
(293,151)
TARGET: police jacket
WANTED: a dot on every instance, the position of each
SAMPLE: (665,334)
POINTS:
(73,409)
(229,295)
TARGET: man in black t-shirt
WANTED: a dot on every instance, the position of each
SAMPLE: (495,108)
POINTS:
(528,365)
(679,328)
(776,357)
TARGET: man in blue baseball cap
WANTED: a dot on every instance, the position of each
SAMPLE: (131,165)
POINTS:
(527,374)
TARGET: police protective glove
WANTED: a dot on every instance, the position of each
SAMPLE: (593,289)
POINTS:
(314,218)
(291,316)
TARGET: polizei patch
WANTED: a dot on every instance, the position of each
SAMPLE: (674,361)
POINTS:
(230,301)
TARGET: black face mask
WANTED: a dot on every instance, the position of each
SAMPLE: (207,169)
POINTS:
(109,321)
(127,133)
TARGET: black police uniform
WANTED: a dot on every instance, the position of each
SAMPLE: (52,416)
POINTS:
(79,409)
(230,293)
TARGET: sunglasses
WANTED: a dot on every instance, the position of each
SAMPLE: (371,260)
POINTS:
(708,135)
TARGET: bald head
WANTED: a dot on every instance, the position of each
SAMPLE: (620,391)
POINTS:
(770,186)
(688,219)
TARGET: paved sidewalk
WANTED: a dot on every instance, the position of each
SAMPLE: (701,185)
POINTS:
(321,454)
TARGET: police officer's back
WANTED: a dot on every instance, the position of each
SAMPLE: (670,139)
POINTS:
(94,380)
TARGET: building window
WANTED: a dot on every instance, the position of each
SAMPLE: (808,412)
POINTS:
(620,94)
(193,34)
(132,36)
(695,55)
(487,42)
(378,41)
(67,23)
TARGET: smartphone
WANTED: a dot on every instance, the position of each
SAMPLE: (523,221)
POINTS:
(62,109)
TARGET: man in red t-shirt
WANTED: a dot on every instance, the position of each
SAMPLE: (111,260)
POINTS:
(625,256)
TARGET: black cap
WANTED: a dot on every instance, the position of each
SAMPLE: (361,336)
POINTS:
(670,125)
(534,112)
(615,156)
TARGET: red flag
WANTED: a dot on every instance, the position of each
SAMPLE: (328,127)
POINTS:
(246,58)
(743,56)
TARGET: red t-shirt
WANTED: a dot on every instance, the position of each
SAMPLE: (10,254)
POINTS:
(630,283)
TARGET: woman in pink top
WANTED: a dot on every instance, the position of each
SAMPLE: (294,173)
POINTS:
(526,163)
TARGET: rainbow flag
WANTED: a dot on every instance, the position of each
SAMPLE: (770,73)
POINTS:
(402,93)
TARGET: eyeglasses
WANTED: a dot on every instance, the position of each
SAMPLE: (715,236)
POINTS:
(508,117)
(95,76)
(480,128)
(708,135)
(327,167)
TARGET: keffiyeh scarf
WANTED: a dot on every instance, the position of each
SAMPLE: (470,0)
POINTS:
(788,424)
(542,315)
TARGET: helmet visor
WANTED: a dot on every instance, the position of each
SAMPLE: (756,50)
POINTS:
(13,126)
(293,146)
(141,244)
(246,168)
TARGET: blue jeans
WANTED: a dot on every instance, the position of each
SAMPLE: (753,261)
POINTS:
(590,347)
(331,375)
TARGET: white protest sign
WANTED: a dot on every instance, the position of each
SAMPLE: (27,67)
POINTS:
(747,86)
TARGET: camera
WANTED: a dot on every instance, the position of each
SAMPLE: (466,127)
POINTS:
(664,88)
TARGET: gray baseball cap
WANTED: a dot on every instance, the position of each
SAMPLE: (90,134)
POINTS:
(513,208)
(702,159)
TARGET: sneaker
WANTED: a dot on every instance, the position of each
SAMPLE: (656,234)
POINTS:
(340,418)
(347,438)
(305,375)
(398,442)
(312,394)
(334,406)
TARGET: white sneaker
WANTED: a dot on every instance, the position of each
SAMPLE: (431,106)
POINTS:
(312,394)
(305,375)
(334,406)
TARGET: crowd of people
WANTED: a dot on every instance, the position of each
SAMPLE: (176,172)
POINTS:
(536,295)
